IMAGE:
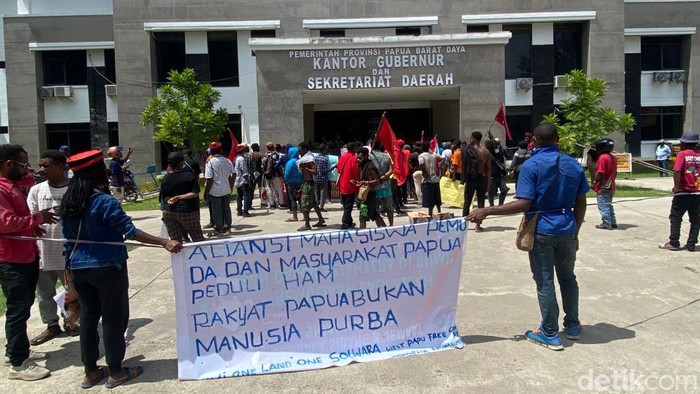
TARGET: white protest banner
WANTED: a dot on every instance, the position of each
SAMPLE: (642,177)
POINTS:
(292,302)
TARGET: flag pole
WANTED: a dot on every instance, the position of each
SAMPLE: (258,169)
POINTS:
(488,132)
(380,125)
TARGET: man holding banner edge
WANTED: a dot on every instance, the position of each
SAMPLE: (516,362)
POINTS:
(560,216)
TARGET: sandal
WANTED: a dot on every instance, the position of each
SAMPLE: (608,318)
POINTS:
(321,224)
(304,228)
(93,382)
(291,220)
(131,373)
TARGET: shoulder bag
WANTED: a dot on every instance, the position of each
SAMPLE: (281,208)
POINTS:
(525,237)
(362,193)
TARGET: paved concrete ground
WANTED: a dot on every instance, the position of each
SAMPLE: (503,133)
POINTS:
(639,307)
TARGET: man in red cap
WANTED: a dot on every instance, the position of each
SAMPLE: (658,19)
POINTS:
(19,263)
(218,173)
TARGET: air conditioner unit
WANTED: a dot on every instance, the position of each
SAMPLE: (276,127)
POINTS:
(111,90)
(523,84)
(560,82)
(45,92)
(678,76)
(62,91)
(660,77)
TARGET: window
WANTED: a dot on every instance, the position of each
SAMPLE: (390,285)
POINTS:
(64,67)
(661,122)
(519,122)
(331,33)
(4,130)
(75,135)
(408,31)
(662,53)
(477,28)
(568,47)
(223,58)
(518,51)
(113,133)
(110,69)
(170,54)
(262,34)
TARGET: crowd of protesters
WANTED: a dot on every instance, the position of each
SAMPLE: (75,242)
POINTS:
(81,202)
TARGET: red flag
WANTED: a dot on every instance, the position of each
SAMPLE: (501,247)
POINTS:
(234,146)
(501,118)
(386,136)
(434,145)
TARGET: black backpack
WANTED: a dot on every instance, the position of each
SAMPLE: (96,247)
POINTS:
(471,160)
(268,164)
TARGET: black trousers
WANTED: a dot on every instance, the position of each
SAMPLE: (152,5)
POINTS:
(496,185)
(477,186)
(18,282)
(103,292)
(348,201)
(679,206)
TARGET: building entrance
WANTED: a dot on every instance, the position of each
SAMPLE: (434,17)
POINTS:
(361,125)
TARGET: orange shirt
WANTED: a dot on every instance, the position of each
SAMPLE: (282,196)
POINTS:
(457,161)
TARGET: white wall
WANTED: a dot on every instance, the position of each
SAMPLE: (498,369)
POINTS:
(660,94)
(3,98)
(7,8)
(112,109)
(74,109)
(560,95)
(516,97)
(246,94)
(67,7)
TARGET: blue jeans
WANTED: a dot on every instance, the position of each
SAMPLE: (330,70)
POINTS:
(244,199)
(663,164)
(606,209)
(550,254)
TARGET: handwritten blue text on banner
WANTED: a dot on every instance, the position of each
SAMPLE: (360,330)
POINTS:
(282,303)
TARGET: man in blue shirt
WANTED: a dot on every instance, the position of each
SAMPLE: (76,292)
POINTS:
(554,185)
(116,179)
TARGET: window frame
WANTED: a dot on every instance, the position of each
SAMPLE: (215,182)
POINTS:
(521,30)
(663,44)
(225,43)
(168,43)
(70,64)
(662,114)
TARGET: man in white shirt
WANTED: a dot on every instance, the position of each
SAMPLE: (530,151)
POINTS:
(429,165)
(218,173)
(663,152)
(46,195)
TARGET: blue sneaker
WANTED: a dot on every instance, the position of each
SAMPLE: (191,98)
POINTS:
(573,332)
(550,342)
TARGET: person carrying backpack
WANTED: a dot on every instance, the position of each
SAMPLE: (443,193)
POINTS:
(498,173)
(519,157)
(271,178)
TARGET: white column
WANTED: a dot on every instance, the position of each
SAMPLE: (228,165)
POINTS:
(23,7)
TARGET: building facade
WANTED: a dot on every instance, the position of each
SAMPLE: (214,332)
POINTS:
(310,70)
